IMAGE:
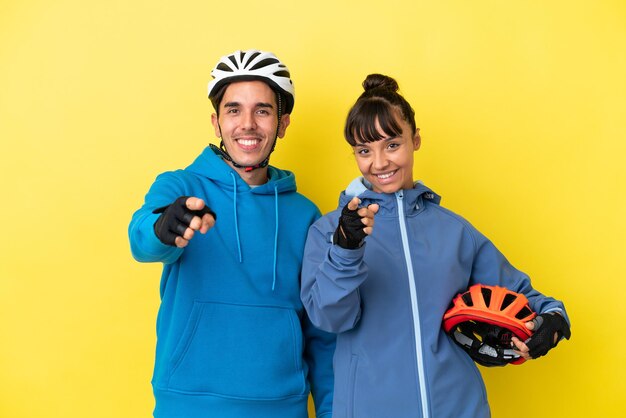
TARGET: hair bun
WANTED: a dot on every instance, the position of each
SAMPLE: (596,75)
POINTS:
(380,81)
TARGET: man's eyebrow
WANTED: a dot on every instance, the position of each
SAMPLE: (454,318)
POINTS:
(260,104)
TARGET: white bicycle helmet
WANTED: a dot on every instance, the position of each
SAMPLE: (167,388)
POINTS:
(253,65)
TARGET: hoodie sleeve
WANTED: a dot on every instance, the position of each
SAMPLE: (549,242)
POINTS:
(144,244)
(331,277)
(492,268)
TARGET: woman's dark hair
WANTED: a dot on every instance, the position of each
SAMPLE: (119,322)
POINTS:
(379,101)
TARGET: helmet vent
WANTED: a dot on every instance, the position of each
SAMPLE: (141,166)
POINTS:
(282,74)
(264,63)
(508,299)
(486,295)
(253,56)
(523,313)
(467,298)
(223,67)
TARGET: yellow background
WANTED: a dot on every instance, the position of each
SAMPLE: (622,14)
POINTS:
(522,106)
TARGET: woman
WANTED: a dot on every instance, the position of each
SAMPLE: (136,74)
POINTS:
(385,296)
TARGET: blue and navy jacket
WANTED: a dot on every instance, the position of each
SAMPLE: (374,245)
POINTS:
(386,301)
(233,339)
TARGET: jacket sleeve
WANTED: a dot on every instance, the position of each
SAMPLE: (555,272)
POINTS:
(144,244)
(319,349)
(491,267)
(331,277)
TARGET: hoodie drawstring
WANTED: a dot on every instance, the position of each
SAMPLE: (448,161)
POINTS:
(275,230)
(275,235)
(235,212)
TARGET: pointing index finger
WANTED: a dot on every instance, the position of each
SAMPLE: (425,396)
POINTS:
(354,203)
(194,203)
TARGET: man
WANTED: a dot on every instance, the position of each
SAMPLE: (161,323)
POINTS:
(233,339)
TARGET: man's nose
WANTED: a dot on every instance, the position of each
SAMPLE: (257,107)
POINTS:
(248,121)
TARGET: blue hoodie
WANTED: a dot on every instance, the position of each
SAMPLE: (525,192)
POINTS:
(233,339)
(386,301)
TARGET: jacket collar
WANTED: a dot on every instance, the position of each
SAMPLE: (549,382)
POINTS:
(413,199)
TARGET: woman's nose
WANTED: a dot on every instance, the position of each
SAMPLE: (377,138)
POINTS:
(380,161)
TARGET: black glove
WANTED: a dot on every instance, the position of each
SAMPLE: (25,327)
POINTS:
(542,340)
(349,233)
(175,220)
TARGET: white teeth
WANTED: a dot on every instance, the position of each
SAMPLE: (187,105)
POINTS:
(247,142)
(386,175)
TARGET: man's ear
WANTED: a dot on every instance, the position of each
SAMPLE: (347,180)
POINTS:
(285,120)
(216,125)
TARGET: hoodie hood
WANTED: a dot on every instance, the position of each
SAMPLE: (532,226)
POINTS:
(213,167)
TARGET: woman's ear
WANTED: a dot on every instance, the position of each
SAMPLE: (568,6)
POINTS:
(417,140)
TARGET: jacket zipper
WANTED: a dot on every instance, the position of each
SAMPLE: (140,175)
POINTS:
(416,315)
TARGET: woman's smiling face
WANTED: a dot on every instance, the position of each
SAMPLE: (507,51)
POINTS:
(388,163)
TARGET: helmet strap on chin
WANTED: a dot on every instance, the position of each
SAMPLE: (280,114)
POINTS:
(221,150)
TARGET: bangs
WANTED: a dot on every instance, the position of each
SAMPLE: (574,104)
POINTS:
(361,122)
